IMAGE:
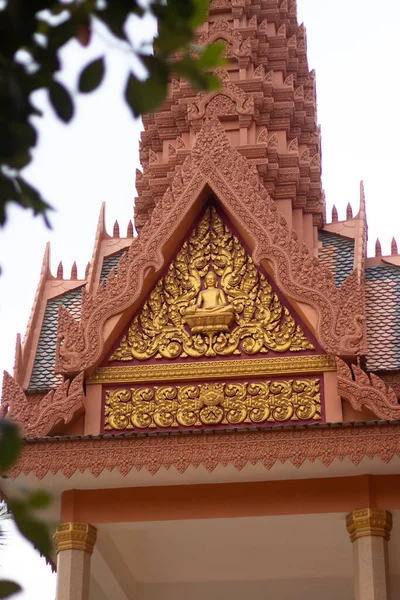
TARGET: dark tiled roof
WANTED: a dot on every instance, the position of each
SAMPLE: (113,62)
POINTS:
(382,289)
(43,376)
(336,254)
(109,263)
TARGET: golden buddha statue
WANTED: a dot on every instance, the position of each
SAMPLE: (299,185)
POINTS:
(211,300)
(212,313)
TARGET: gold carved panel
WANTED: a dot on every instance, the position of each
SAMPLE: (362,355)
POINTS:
(213,301)
(212,404)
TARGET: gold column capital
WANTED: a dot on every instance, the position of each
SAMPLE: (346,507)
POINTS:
(369,522)
(75,536)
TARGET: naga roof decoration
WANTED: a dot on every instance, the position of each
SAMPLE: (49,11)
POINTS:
(215,164)
(367,391)
(38,417)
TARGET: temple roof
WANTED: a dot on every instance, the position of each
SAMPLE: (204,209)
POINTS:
(382,294)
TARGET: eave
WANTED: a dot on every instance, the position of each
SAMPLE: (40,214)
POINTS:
(283,444)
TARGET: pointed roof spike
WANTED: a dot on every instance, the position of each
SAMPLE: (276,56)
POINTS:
(335,216)
(129,231)
(378,248)
(394,247)
(87,270)
(74,271)
(349,212)
(116,230)
(60,270)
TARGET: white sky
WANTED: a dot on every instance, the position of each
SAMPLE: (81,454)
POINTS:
(354,48)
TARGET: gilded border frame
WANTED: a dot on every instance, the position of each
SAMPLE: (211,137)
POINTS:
(225,369)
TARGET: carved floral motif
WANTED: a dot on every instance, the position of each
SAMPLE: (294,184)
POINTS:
(212,404)
(261,323)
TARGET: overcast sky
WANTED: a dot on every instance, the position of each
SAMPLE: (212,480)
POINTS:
(354,48)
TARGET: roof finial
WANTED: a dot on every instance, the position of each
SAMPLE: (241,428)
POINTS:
(378,248)
(129,231)
(394,247)
(349,212)
(87,270)
(60,270)
(116,230)
(74,271)
(335,217)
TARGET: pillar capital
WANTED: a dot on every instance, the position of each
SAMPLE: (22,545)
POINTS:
(75,536)
(369,522)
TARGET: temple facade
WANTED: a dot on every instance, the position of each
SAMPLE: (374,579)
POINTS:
(214,408)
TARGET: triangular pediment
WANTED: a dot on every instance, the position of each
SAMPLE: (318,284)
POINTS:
(212,302)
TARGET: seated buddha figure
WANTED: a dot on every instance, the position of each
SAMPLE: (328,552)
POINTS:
(211,300)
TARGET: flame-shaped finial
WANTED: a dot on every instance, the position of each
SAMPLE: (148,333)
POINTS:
(74,271)
(394,247)
(335,217)
(60,270)
(349,211)
(129,231)
(378,248)
(116,230)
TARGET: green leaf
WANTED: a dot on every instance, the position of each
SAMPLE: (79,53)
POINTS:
(91,76)
(8,588)
(212,56)
(39,499)
(61,101)
(144,96)
(10,444)
(200,14)
(30,526)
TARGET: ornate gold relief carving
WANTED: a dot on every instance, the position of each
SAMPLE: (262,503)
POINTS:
(253,402)
(237,312)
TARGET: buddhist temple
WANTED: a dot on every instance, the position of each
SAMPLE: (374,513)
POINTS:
(214,408)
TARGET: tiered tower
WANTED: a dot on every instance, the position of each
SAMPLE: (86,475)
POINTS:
(266,105)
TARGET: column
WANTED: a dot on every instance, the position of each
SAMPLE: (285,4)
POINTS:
(369,531)
(74,545)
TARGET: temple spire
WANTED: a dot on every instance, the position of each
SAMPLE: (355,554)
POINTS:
(74,271)
(378,248)
(349,212)
(335,216)
(60,270)
(394,251)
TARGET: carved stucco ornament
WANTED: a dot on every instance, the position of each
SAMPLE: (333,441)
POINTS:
(366,391)
(190,312)
(228,100)
(215,163)
(212,404)
(222,31)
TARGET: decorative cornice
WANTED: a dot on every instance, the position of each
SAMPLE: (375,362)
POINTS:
(267,446)
(369,522)
(215,163)
(367,391)
(75,536)
(38,417)
(201,371)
